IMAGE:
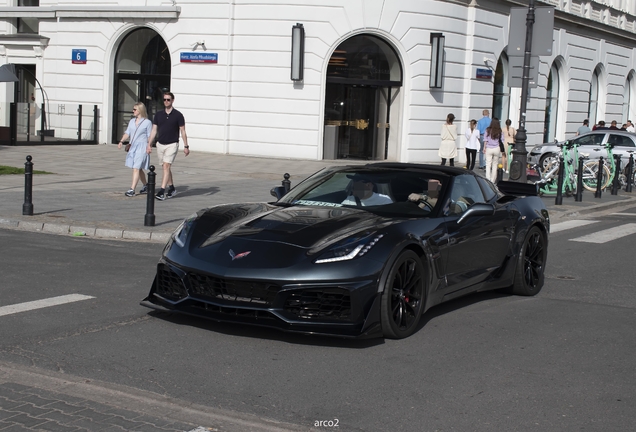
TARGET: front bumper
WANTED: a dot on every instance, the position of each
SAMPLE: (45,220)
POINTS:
(337,308)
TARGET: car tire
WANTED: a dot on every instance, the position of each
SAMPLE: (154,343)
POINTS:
(403,297)
(546,161)
(531,261)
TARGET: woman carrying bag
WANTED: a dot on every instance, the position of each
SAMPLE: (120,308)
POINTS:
(448,149)
(137,157)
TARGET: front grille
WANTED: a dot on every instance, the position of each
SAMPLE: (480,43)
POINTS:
(169,284)
(334,303)
(232,290)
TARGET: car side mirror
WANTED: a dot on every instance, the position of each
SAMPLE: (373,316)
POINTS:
(277,192)
(477,210)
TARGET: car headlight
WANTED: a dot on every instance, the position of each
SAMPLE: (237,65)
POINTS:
(536,150)
(181,233)
(350,248)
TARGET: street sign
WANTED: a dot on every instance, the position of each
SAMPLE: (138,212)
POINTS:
(542,31)
(78,56)
(515,71)
(483,73)
(195,57)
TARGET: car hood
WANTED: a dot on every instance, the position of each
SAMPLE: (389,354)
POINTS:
(299,226)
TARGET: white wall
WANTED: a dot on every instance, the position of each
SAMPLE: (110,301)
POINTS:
(247,104)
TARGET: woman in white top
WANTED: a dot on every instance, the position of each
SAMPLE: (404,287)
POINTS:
(472,144)
(509,141)
(448,149)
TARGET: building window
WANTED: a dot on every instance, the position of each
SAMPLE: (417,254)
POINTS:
(592,110)
(501,94)
(551,105)
(627,98)
(28,25)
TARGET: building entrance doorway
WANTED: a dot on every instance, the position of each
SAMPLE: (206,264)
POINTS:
(364,77)
(142,74)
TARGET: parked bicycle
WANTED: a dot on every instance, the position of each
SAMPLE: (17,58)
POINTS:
(548,183)
(591,169)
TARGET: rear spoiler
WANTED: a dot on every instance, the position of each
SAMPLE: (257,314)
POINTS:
(517,189)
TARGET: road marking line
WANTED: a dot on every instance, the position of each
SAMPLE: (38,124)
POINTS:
(608,234)
(562,226)
(39,304)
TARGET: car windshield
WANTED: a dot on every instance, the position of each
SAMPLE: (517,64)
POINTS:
(396,192)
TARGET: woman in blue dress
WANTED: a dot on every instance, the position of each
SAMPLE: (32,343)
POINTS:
(137,157)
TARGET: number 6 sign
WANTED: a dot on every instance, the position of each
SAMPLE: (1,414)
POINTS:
(78,56)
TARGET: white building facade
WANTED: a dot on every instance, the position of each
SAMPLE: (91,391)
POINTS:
(366,88)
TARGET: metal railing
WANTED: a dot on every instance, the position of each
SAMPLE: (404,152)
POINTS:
(30,123)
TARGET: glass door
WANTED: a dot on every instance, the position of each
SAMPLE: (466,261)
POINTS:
(351,113)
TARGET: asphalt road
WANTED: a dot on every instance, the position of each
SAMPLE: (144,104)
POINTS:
(489,362)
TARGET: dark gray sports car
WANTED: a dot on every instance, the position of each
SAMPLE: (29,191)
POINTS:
(355,251)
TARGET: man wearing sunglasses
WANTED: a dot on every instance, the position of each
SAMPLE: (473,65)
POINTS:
(166,126)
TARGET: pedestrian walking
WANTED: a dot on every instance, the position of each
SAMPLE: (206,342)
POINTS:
(448,148)
(137,158)
(482,125)
(630,126)
(472,144)
(167,125)
(492,143)
(509,134)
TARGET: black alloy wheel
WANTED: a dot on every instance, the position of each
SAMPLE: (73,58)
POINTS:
(403,297)
(529,274)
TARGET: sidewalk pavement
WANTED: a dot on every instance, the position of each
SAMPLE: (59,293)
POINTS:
(85,192)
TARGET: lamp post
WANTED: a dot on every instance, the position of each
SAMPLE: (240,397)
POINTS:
(519,153)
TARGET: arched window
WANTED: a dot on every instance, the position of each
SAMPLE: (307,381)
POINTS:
(551,105)
(364,79)
(501,93)
(629,98)
(592,111)
(142,74)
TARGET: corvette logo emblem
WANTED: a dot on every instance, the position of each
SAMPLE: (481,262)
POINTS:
(238,256)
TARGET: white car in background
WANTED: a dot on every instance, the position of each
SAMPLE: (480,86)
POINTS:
(623,142)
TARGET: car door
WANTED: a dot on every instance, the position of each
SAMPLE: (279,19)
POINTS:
(478,246)
(589,143)
(622,144)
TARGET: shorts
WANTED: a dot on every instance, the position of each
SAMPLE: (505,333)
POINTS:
(167,152)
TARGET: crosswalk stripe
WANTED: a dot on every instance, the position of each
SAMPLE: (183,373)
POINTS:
(38,304)
(562,226)
(608,235)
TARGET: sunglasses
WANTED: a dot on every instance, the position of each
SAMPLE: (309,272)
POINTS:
(167,100)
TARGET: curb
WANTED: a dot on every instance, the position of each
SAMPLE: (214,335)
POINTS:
(84,231)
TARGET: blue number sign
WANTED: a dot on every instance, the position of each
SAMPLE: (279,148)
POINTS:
(79,56)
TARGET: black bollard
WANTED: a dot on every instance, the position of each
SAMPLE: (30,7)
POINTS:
(286,183)
(149,219)
(579,182)
(558,200)
(616,184)
(499,174)
(27,207)
(599,178)
(630,173)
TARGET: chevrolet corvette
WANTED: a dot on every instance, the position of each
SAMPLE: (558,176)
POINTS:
(355,251)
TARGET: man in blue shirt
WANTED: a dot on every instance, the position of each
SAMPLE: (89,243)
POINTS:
(482,125)
(166,126)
